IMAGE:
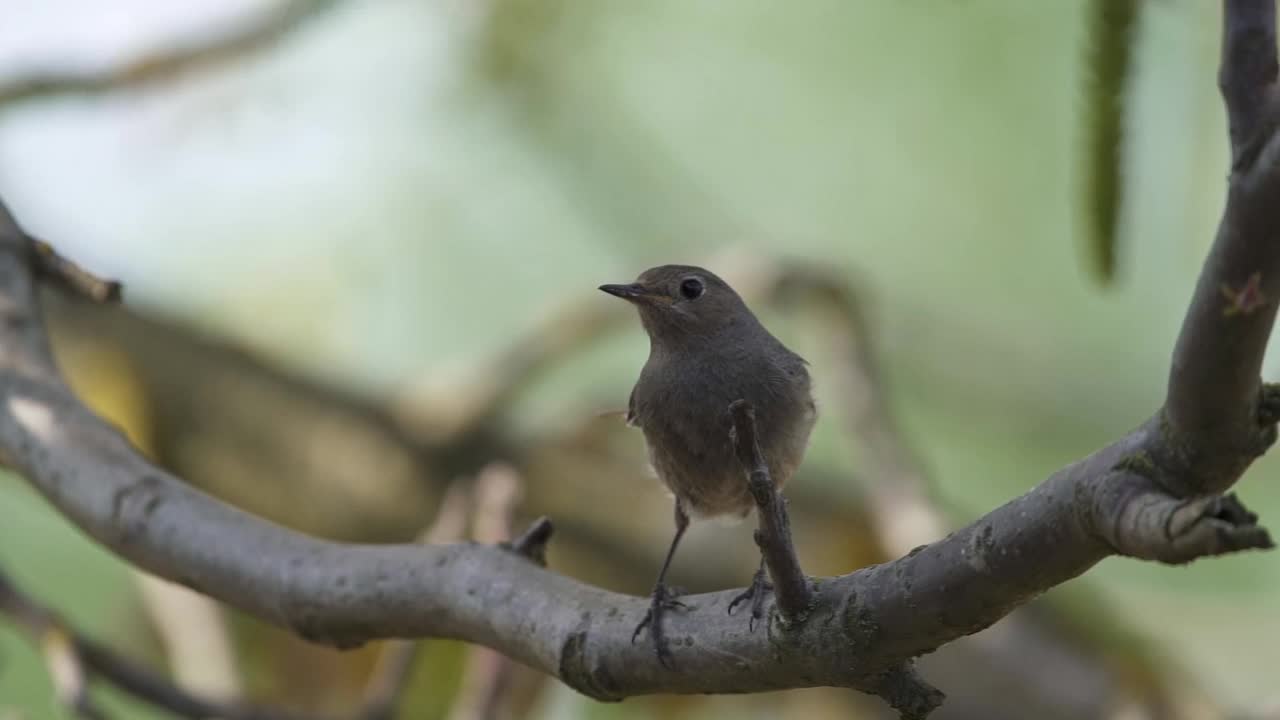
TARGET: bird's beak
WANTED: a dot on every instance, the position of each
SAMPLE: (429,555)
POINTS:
(635,292)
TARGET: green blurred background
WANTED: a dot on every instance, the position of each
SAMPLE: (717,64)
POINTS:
(381,197)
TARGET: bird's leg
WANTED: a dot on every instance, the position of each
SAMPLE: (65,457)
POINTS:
(663,597)
(757,592)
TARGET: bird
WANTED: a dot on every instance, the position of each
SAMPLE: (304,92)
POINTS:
(707,350)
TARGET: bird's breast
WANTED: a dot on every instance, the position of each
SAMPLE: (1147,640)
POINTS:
(682,405)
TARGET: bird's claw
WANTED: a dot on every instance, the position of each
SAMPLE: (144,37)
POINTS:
(757,592)
(663,599)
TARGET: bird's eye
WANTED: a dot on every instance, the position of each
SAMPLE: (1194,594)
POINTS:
(691,288)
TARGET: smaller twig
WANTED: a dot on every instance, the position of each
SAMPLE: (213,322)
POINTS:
(58,270)
(159,691)
(66,668)
(532,543)
(72,278)
(62,656)
(248,36)
(74,659)
(389,680)
(1177,531)
(792,589)
(905,691)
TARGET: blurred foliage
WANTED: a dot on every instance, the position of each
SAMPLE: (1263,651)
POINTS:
(1111,35)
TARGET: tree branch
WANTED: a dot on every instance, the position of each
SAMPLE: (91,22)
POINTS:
(532,543)
(247,37)
(394,667)
(58,270)
(73,658)
(66,667)
(487,677)
(485,680)
(790,585)
(1150,494)
(1248,72)
(1213,397)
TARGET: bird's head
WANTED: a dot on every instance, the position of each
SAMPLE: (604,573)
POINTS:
(678,301)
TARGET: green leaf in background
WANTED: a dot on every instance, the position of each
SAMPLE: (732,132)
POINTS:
(1111,24)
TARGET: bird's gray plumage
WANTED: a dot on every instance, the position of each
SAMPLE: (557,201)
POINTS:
(707,350)
(704,354)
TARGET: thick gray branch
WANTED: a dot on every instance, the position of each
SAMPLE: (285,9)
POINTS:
(1214,383)
(1248,71)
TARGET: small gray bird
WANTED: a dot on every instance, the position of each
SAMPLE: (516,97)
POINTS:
(706,350)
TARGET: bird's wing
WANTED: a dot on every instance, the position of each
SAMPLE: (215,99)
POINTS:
(631,409)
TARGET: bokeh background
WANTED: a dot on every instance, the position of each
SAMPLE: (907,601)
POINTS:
(338,239)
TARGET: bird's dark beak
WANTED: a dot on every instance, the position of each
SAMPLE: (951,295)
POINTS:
(631,293)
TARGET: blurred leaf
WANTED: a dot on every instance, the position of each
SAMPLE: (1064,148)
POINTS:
(1111,24)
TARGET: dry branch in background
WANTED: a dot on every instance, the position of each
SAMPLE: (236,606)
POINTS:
(194,635)
(1155,493)
(487,675)
(248,36)
(67,670)
(74,660)
(394,668)
(497,491)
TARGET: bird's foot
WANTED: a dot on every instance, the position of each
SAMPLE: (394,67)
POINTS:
(662,600)
(756,593)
